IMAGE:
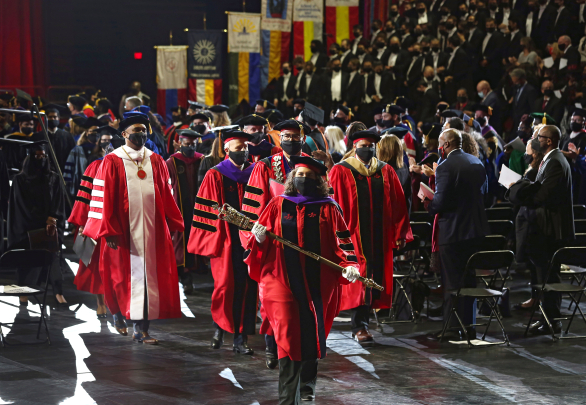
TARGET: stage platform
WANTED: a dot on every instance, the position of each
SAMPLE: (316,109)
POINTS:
(88,362)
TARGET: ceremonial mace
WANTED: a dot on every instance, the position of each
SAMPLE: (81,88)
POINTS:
(230,215)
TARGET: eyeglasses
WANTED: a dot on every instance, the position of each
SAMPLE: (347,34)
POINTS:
(546,137)
(288,137)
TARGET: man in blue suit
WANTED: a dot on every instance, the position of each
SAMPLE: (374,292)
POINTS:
(459,202)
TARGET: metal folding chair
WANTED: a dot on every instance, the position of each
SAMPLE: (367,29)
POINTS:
(502,204)
(573,256)
(501,227)
(13,260)
(421,216)
(495,261)
(500,213)
(580,225)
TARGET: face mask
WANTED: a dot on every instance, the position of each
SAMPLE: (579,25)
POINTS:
(93,138)
(104,145)
(313,49)
(425,31)
(542,2)
(188,151)
(462,99)
(576,126)
(470,25)
(443,13)
(491,30)
(360,51)
(562,47)
(337,68)
(257,137)
(401,32)
(548,93)
(421,10)
(386,123)
(296,111)
(291,148)
(442,153)
(305,186)
(286,71)
(521,134)
(395,48)
(394,13)
(426,49)
(367,69)
(138,138)
(365,154)
(199,128)
(472,7)
(417,33)
(492,7)
(528,159)
(27,130)
(480,94)
(435,50)
(239,157)
(176,118)
(481,121)
(356,34)
(450,26)
(39,165)
(380,45)
(389,29)
(415,54)
(53,123)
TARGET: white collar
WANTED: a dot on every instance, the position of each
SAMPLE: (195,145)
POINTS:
(136,155)
(548,153)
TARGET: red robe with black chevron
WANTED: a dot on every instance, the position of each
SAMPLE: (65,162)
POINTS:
(300,297)
(140,213)
(235,296)
(87,278)
(376,213)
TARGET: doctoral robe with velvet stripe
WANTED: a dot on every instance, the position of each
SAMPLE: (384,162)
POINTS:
(235,296)
(88,277)
(376,213)
(140,213)
(300,296)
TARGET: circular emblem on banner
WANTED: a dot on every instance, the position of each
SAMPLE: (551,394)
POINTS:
(171,64)
(181,170)
(204,52)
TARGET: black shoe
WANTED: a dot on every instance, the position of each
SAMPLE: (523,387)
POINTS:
(243,349)
(307,397)
(218,339)
(187,282)
(541,328)
(271,359)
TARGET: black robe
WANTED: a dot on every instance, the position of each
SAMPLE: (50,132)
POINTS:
(62,142)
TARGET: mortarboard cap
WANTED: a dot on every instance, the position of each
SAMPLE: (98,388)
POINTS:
(23,95)
(344,109)
(516,144)
(429,159)
(199,116)
(77,101)
(293,124)
(230,135)
(266,104)
(194,105)
(107,130)
(252,119)
(542,118)
(357,136)
(404,103)
(145,109)
(299,101)
(313,115)
(61,109)
(432,130)
(87,122)
(219,108)
(273,116)
(6,96)
(377,110)
(188,133)
(132,119)
(393,109)
(24,117)
(442,107)
(34,146)
(484,108)
(579,112)
(310,163)
(398,131)
(451,114)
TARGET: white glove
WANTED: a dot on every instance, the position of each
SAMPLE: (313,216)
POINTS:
(259,232)
(351,274)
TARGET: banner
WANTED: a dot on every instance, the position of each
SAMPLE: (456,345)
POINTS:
(307,25)
(244,57)
(171,79)
(374,9)
(341,17)
(276,19)
(205,66)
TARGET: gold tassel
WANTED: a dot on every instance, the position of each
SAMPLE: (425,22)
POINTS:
(490,111)
(544,119)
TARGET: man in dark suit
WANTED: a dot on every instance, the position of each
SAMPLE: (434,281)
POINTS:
(426,100)
(285,90)
(459,200)
(513,45)
(381,87)
(489,98)
(571,54)
(491,51)
(524,95)
(337,82)
(354,87)
(395,59)
(312,85)
(346,55)
(543,19)
(458,72)
(474,38)
(414,71)
(562,20)
(437,58)
(549,103)
(318,56)
(554,227)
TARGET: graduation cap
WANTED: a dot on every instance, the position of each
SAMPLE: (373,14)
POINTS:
(226,128)
(23,95)
(542,118)
(393,109)
(377,110)
(200,116)
(471,122)
(579,112)
(87,122)
(429,159)
(431,130)
(252,119)
(313,115)
(484,108)
(404,103)
(107,130)
(299,101)
(235,134)
(310,163)
(516,144)
(77,101)
(188,133)
(451,114)
(345,109)
(132,119)
(6,96)
(35,146)
(273,116)
(265,104)
(145,109)
(60,109)
(24,117)
(293,124)
(219,108)
(442,107)
(357,136)
(194,105)
(398,131)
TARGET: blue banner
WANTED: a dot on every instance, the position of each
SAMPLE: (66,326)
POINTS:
(204,55)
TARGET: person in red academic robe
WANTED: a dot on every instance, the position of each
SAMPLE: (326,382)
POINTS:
(183,168)
(235,296)
(375,211)
(299,295)
(259,146)
(133,210)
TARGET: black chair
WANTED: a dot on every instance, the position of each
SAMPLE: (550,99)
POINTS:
(573,256)
(580,225)
(502,204)
(421,216)
(495,261)
(580,239)
(493,242)
(501,227)
(24,260)
(500,213)
(425,231)
(579,211)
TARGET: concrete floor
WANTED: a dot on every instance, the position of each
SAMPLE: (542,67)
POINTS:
(88,362)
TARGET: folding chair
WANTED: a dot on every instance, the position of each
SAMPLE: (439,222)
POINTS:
(573,256)
(580,225)
(502,204)
(424,230)
(501,227)
(421,216)
(579,211)
(490,243)
(495,261)
(28,259)
(500,213)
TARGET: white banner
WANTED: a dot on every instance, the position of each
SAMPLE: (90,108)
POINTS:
(244,32)
(172,67)
(342,3)
(276,15)
(308,10)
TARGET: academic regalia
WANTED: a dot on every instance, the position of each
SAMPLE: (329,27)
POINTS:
(261,151)
(87,278)
(577,166)
(376,213)
(183,172)
(234,300)
(141,213)
(62,143)
(75,165)
(204,144)
(14,154)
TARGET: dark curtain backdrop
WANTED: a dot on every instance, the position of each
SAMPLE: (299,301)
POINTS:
(21,45)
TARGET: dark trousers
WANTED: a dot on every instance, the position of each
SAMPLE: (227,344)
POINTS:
(296,379)
(239,338)
(541,250)
(454,257)
(271,344)
(360,317)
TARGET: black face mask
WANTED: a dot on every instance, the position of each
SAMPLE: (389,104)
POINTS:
(337,68)
(380,45)
(450,26)
(528,159)
(426,49)
(491,30)
(435,50)
(138,138)
(576,126)
(395,48)
(415,54)
(27,130)
(462,99)
(386,123)
(548,93)
(389,29)
(425,31)
(286,71)
(481,121)
(199,128)
(257,137)
(93,138)
(297,111)
(367,69)
(471,25)
(306,186)
(239,157)
(401,32)
(53,124)
(313,49)
(360,51)
(417,32)
(38,165)
(176,118)
(394,13)
(365,154)
(104,145)
(291,148)
(188,151)
(493,7)
(562,47)
(421,10)
(472,7)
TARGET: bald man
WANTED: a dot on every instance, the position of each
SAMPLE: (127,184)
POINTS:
(490,99)
(549,103)
(459,205)
(571,53)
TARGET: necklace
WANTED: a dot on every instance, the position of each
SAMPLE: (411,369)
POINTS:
(141,173)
